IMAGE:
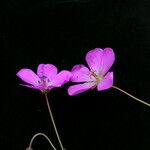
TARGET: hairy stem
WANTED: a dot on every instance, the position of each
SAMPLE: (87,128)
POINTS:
(53,122)
(137,99)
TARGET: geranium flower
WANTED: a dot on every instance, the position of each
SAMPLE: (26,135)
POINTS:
(99,61)
(45,79)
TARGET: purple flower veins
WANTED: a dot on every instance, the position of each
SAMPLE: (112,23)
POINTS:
(45,79)
(99,61)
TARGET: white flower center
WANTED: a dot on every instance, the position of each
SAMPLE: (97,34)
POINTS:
(97,77)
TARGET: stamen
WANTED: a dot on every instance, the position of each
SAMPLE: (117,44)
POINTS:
(39,82)
(44,80)
(98,78)
(43,77)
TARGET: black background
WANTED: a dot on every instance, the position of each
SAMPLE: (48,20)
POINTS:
(62,32)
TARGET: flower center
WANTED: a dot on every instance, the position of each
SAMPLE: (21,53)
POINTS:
(45,80)
(97,77)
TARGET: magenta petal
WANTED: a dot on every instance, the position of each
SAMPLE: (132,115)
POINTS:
(107,60)
(79,88)
(28,76)
(61,78)
(80,73)
(106,83)
(93,59)
(100,60)
(47,70)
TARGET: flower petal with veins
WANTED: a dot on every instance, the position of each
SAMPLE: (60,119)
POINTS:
(107,60)
(61,78)
(100,60)
(29,76)
(79,88)
(93,59)
(47,70)
(80,73)
(106,83)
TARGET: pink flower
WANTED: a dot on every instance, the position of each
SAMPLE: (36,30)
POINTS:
(99,61)
(45,79)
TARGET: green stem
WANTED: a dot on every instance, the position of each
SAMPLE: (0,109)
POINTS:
(53,122)
(137,99)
